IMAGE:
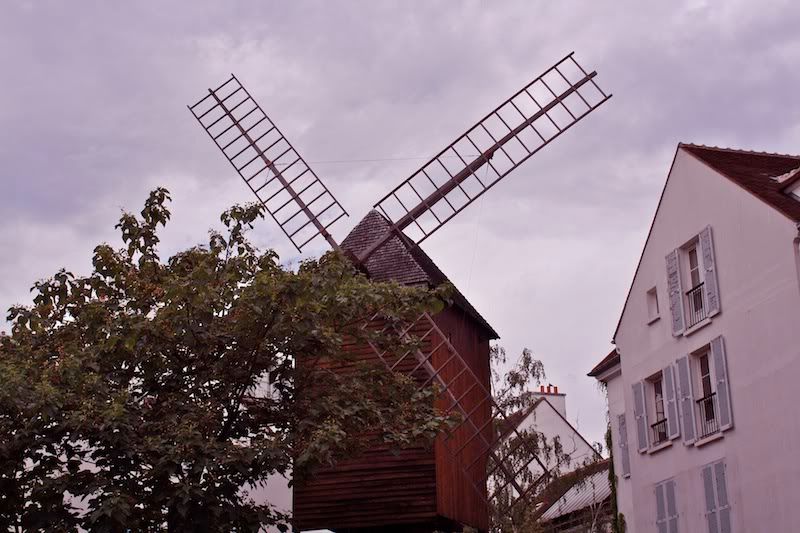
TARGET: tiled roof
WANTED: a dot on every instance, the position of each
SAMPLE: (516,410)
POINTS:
(755,172)
(403,262)
(608,361)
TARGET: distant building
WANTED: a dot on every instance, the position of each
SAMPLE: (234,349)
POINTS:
(702,383)
(578,499)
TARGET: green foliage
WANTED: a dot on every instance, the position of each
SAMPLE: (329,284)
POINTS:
(617,518)
(139,389)
(537,459)
(522,449)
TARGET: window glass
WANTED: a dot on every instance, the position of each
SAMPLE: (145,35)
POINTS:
(694,267)
(659,398)
(652,304)
(705,375)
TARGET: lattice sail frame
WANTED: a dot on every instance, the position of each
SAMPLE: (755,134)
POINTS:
(514,131)
(268,163)
(504,461)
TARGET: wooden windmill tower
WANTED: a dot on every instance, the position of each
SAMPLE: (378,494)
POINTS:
(418,489)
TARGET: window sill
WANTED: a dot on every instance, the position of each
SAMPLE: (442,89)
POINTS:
(706,440)
(659,447)
(653,320)
(700,325)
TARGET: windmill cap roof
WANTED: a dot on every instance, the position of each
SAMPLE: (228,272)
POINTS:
(402,261)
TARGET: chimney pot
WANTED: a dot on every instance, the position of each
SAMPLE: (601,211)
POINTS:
(555,389)
(541,389)
(549,388)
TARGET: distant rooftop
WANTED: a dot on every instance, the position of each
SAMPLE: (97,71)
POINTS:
(608,361)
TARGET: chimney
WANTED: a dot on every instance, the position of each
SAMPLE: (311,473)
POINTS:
(556,399)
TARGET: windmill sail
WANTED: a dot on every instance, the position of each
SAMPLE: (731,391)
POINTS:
(477,441)
(514,131)
(289,190)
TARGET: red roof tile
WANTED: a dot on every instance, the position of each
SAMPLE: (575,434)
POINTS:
(754,172)
(403,262)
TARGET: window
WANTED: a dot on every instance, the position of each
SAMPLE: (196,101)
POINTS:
(652,306)
(695,304)
(704,393)
(659,427)
(622,429)
(718,506)
(795,191)
(694,266)
(707,416)
(655,399)
(692,283)
(666,507)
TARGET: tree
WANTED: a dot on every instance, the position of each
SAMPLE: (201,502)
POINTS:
(514,395)
(131,398)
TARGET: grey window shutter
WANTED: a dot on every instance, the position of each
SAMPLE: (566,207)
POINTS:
(672,508)
(711,502)
(722,383)
(710,276)
(686,399)
(640,413)
(661,509)
(675,293)
(673,424)
(723,505)
(625,458)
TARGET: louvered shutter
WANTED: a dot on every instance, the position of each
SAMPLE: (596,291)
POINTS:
(711,501)
(675,293)
(625,458)
(672,508)
(640,413)
(722,383)
(661,509)
(723,505)
(673,424)
(686,399)
(710,276)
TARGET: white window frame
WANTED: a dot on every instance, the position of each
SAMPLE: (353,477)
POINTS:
(653,306)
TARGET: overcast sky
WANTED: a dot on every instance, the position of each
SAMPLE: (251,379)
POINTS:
(93,114)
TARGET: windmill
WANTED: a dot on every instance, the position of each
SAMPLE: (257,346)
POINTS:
(447,486)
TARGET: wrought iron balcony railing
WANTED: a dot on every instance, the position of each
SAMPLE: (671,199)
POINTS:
(696,310)
(708,422)
(659,430)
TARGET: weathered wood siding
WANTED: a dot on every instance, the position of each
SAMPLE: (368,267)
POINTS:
(424,487)
(456,497)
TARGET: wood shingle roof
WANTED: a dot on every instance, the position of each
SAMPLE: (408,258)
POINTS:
(403,262)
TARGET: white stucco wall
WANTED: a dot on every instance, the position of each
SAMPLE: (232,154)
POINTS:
(616,406)
(546,419)
(760,320)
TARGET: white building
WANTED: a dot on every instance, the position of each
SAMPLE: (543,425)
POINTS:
(702,384)
(548,415)
(579,497)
